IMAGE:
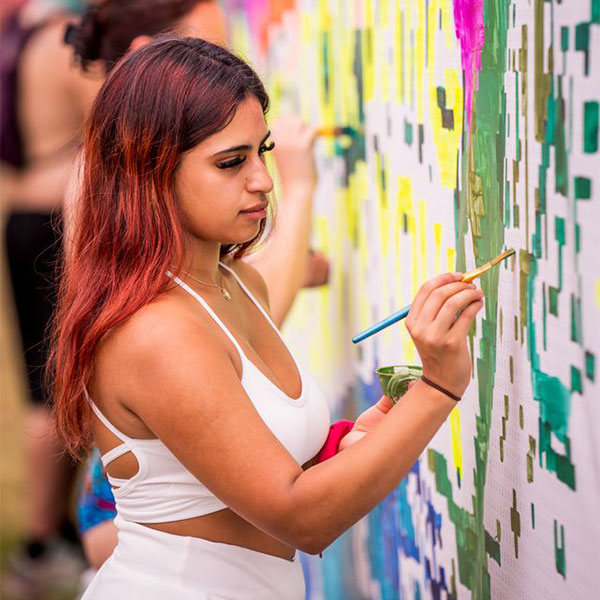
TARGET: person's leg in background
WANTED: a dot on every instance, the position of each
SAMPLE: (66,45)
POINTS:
(51,552)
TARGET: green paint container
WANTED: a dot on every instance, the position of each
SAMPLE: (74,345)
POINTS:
(394,380)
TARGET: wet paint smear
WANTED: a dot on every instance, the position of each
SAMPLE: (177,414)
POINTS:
(480,205)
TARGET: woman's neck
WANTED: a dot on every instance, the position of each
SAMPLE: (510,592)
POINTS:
(201,259)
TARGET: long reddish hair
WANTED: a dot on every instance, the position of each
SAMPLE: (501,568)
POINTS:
(158,103)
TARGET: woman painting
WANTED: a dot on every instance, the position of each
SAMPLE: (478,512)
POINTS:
(165,355)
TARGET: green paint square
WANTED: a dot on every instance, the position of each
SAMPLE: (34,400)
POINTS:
(596,11)
(583,188)
(576,320)
(582,36)
(590,127)
(559,230)
(553,300)
(564,38)
(408,133)
(441,96)
(590,366)
(577,238)
(576,385)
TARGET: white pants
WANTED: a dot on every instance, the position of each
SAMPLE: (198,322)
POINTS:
(153,565)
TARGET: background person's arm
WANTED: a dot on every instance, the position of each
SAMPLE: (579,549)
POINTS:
(286,263)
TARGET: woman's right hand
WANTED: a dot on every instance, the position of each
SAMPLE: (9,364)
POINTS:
(439,335)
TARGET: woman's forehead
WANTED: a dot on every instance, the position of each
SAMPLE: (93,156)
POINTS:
(248,127)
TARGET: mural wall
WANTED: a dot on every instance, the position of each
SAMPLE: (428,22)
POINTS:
(476,130)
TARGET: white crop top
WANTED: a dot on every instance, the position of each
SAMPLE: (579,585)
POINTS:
(164,490)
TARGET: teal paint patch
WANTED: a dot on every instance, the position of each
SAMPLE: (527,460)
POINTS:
(576,380)
(576,326)
(564,38)
(408,133)
(583,188)
(590,127)
(590,366)
(559,550)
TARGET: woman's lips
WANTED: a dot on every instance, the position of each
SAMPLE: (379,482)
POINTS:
(256,212)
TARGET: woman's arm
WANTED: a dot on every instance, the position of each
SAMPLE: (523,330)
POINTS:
(180,379)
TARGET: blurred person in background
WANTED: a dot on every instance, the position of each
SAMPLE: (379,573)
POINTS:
(51,98)
(43,101)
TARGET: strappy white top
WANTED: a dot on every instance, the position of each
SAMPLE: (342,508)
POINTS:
(164,490)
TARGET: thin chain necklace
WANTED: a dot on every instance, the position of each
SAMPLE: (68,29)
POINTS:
(224,291)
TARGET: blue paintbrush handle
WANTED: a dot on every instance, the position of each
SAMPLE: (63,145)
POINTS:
(393,318)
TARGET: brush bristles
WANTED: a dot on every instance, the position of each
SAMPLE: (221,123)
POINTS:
(502,256)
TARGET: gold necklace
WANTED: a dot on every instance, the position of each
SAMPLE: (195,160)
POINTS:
(224,291)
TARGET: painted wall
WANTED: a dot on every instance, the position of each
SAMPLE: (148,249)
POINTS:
(479,131)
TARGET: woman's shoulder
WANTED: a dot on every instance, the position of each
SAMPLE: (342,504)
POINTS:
(161,329)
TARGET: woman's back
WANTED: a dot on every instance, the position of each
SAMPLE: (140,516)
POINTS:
(53,99)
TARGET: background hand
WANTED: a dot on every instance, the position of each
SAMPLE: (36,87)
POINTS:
(317,269)
(293,152)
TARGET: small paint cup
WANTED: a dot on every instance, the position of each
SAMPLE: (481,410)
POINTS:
(394,379)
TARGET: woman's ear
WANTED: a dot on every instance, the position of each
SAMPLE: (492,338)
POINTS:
(138,42)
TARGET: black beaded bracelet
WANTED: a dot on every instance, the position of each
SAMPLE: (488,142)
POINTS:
(439,388)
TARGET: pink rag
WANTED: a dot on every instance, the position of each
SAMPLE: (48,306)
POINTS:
(336,432)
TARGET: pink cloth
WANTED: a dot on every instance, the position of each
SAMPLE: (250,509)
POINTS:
(336,432)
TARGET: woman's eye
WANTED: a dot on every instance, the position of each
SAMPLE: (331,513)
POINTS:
(266,148)
(229,164)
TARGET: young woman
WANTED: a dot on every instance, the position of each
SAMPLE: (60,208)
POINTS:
(103,35)
(166,357)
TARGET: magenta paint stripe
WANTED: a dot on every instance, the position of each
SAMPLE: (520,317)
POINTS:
(470,31)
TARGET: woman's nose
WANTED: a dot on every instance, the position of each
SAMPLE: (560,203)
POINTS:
(259,180)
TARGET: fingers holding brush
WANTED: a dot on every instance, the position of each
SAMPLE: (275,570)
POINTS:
(455,305)
(463,323)
(423,294)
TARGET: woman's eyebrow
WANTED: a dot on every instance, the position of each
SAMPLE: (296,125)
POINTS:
(243,147)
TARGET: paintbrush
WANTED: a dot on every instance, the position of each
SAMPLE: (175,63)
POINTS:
(337,130)
(403,312)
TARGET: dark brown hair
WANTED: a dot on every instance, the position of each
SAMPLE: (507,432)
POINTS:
(108,27)
(158,102)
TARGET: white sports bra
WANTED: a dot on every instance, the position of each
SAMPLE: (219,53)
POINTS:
(164,490)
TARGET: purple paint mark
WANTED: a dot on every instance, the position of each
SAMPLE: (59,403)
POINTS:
(470,30)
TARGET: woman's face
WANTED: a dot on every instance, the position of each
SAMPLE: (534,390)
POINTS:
(222,183)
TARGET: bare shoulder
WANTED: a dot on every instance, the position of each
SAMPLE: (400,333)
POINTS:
(251,277)
(48,116)
(46,47)
(152,343)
